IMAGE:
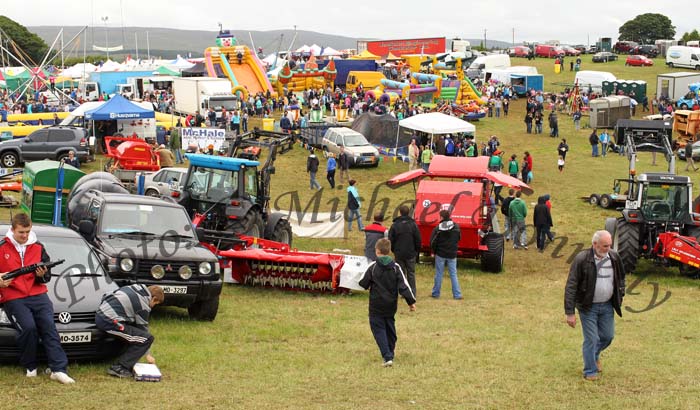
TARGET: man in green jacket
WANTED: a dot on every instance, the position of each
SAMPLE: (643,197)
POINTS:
(517,211)
(176,143)
(495,162)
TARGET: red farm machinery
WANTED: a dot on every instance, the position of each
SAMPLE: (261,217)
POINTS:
(462,186)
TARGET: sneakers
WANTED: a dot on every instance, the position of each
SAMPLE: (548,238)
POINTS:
(388,363)
(120,371)
(592,378)
(62,378)
(31,373)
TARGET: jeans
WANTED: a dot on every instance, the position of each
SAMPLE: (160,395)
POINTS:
(538,128)
(440,263)
(425,166)
(542,235)
(384,332)
(519,233)
(498,112)
(354,214)
(598,325)
(178,155)
(529,127)
(312,180)
(577,124)
(604,148)
(330,176)
(33,318)
(594,152)
(506,228)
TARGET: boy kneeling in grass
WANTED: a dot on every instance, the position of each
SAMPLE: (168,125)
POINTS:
(385,282)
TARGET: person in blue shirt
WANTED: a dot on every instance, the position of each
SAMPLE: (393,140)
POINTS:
(330,170)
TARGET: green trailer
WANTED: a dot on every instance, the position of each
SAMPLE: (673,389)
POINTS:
(39,189)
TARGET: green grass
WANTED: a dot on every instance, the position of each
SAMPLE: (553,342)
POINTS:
(506,346)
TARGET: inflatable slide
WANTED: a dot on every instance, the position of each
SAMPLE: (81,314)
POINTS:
(240,66)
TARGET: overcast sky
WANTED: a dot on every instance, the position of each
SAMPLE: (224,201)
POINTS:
(535,20)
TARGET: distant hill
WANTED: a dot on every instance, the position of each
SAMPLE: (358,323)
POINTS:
(168,43)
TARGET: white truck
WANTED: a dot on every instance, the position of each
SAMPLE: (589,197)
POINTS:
(90,90)
(674,86)
(194,94)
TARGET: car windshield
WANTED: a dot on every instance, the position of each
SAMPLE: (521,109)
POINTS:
(80,260)
(355,140)
(664,202)
(145,219)
(212,185)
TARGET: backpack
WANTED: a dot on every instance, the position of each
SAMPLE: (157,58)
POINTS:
(352,201)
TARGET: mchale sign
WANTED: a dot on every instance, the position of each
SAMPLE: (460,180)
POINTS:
(382,48)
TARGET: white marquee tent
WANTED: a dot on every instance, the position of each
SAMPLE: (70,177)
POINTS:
(436,123)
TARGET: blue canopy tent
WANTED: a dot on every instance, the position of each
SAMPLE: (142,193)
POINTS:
(118,108)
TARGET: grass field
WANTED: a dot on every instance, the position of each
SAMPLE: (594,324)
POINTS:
(505,346)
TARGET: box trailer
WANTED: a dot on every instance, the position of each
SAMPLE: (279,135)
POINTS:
(675,85)
(522,83)
(194,94)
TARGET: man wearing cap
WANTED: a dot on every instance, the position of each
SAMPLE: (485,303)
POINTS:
(167,159)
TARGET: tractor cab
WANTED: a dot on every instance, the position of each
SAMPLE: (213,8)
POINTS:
(662,198)
(217,187)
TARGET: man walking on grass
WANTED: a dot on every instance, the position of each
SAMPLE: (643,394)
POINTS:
(595,287)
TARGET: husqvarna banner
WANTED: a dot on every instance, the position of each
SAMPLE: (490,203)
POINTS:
(203,137)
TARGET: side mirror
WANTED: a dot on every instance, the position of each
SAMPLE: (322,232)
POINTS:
(86,228)
(27,140)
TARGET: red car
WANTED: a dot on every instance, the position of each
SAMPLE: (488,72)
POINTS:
(638,61)
(519,51)
(570,51)
(545,50)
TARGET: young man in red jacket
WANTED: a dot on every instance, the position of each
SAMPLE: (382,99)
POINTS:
(25,300)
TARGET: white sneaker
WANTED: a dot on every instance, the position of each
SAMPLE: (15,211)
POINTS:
(388,363)
(31,373)
(62,378)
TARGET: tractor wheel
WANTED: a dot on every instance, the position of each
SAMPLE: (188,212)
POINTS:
(610,225)
(251,224)
(9,160)
(670,65)
(282,232)
(605,201)
(594,199)
(626,243)
(204,310)
(492,259)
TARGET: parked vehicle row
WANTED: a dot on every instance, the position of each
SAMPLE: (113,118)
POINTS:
(604,57)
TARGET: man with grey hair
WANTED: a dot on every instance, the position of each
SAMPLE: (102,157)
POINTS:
(596,286)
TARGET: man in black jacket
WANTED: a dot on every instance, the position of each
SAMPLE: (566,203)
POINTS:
(596,286)
(344,164)
(373,233)
(405,243)
(312,169)
(443,242)
(542,219)
(385,282)
(505,206)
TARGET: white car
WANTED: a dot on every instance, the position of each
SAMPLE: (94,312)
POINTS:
(163,182)
(358,149)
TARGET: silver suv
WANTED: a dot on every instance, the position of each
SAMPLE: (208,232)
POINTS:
(47,143)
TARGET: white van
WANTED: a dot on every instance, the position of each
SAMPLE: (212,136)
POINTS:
(502,75)
(478,67)
(682,56)
(593,80)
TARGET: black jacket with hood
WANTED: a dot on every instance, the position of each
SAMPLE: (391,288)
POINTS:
(444,239)
(542,216)
(385,281)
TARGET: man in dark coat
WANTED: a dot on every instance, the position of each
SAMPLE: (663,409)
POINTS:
(443,242)
(405,243)
(542,219)
(595,287)
(374,232)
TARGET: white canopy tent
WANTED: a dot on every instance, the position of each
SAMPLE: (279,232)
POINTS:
(179,64)
(437,123)
(331,52)
(315,50)
(78,70)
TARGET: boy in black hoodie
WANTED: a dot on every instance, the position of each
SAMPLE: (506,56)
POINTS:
(385,282)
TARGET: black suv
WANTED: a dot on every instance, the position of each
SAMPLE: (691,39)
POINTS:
(46,143)
(648,50)
(151,241)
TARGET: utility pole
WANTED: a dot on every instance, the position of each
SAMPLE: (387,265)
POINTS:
(485,40)
(136,37)
(513,35)
(148,47)
(104,20)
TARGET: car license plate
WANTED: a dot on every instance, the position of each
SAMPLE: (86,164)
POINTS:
(179,290)
(76,337)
